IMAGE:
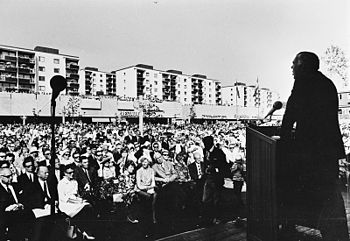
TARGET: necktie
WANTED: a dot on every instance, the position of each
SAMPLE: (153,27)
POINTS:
(87,174)
(13,200)
(46,193)
(30,177)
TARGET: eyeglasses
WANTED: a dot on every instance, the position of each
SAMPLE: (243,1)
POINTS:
(27,166)
(71,172)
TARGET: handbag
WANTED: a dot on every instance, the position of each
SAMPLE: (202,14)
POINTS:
(72,230)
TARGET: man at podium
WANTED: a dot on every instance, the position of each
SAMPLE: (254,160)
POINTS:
(314,196)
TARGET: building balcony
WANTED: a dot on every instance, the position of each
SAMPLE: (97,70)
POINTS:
(72,75)
(10,69)
(26,81)
(73,66)
(25,60)
(25,70)
(10,80)
(74,84)
(8,58)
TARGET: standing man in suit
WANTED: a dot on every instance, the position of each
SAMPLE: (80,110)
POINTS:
(313,180)
(13,215)
(214,169)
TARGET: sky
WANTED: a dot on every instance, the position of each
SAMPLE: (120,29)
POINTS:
(227,40)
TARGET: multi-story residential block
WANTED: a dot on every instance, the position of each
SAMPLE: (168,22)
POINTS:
(26,70)
(17,69)
(249,96)
(139,80)
(233,94)
(184,89)
(95,82)
(170,85)
(50,63)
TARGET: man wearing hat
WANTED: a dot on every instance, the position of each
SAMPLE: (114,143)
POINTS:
(214,173)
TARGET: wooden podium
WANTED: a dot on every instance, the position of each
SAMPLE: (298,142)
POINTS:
(262,196)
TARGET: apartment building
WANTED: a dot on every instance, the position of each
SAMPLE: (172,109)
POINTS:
(234,94)
(29,71)
(17,69)
(249,96)
(95,82)
(50,63)
(184,89)
(139,80)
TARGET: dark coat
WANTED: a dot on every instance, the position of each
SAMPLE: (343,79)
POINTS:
(34,197)
(216,166)
(83,179)
(313,106)
(23,180)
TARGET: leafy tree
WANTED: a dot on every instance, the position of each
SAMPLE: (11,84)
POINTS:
(336,63)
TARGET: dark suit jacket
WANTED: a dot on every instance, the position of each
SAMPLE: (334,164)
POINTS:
(82,178)
(313,106)
(23,180)
(34,197)
(216,166)
(6,199)
(192,168)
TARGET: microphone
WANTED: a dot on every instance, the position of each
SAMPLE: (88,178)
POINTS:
(276,106)
(57,83)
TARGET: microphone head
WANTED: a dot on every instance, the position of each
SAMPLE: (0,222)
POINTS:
(57,83)
(277,105)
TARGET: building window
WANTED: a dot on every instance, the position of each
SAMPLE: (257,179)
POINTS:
(155,75)
(41,78)
(340,111)
(185,86)
(101,80)
(41,68)
(155,90)
(209,95)
(185,99)
(56,61)
(124,73)
(124,88)
(155,82)
(100,75)
(41,59)
(41,88)
(185,80)
(178,85)
(147,74)
(209,83)
(178,92)
(56,70)
(340,96)
(185,93)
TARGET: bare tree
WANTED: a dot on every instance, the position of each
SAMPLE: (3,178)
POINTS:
(336,63)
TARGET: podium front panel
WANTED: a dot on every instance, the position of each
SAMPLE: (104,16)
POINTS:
(261,185)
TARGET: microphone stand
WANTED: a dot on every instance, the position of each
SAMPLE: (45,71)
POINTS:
(53,150)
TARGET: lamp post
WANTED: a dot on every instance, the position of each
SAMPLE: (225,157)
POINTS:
(57,83)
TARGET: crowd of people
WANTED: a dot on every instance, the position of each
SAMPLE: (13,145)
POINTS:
(167,168)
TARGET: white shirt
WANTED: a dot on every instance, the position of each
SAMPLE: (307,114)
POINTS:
(9,187)
(42,184)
